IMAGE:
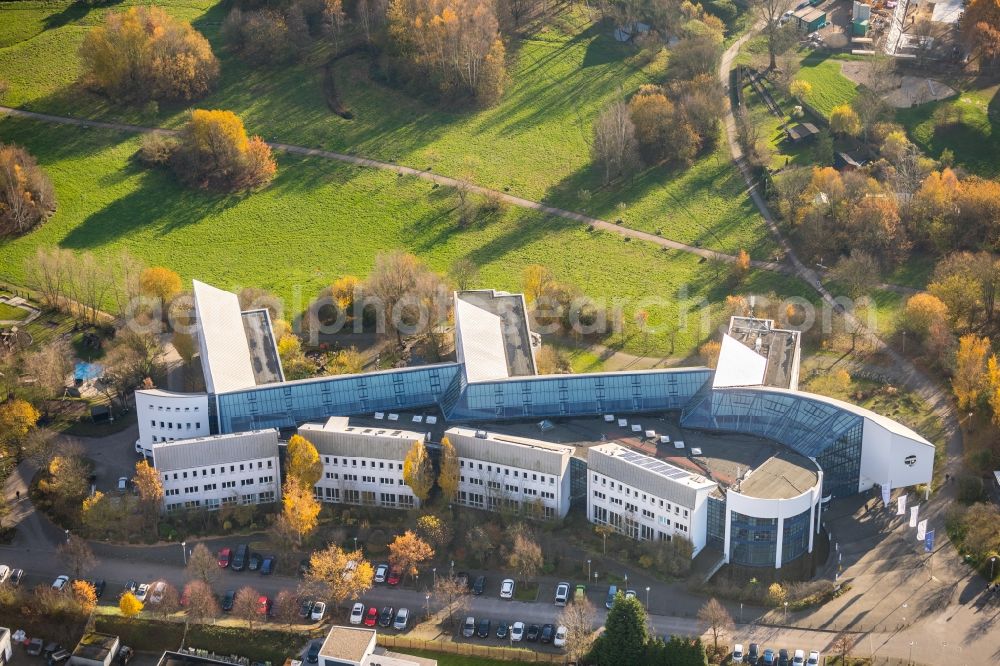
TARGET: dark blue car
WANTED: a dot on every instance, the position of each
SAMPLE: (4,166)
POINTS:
(267,566)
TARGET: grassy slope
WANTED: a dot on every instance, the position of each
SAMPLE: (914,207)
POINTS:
(830,87)
(321,219)
(974,138)
(535,143)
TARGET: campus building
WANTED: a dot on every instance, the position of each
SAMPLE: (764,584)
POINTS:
(362,465)
(219,470)
(774,453)
(506,473)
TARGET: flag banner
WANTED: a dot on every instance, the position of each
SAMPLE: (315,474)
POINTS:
(913,515)
(886,490)
(929,541)
(901,505)
(922,530)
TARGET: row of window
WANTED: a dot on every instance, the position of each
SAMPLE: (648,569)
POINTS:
(628,526)
(214,503)
(631,492)
(491,503)
(189,490)
(212,471)
(175,409)
(506,471)
(364,497)
(353,462)
(169,425)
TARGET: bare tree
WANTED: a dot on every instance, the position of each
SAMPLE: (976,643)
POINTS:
(94,281)
(125,287)
(246,606)
(50,366)
(526,555)
(77,555)
(48,272)
(202,565)
(718,619)
(769,13)
(286,607)
(463,272)
(615,146)
(201,601)
(453,595)
(169,601)
(578,618)
(842,644)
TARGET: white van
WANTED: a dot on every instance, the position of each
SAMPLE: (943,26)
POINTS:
(799,659)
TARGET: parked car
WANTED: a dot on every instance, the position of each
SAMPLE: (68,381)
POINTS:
(738,654)
(225,556)
(560,639)
(318,611)
(381,571)
(264,605)
(581,593)
(357,613)
(60,582)
(469,628)
(783,657)
(312,654)
(507,588)
(562,594)
(58,657)
(532,633)
(98,586)
(610,601)
(630,594)
(15,577)
(125,654)
(4,573)
(267,566)
(34,647)
(371,618)
(157,591)
(548,633)
(753,653)
(253,563)
(479,585)
(142,591)
(799,658)
(402,619)
(385,617)
(770,658)
(239,561)
(228,599)
(502,629)
(813,659)
(122,484)
(130,586)
(395,575)
(517,632)
(483,629)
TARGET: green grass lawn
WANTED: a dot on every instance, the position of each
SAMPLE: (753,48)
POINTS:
(830,87)
(534,143)
(973,135)
(10,313)
(322,219)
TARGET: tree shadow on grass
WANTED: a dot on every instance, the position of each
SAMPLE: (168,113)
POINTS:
(159,201)
(71,13)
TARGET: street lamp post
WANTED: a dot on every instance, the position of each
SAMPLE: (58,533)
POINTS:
(434,570)
(741,612)
(910,660)
(647,597)
(184,552)
(355,543)
(626,581)
(588,569)
(427,605)
(786,612)
(453,567)
(993,561)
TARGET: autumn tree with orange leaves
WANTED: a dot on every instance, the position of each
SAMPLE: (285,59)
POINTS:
(407,551)
(454,44)
(215,152)
(981,29)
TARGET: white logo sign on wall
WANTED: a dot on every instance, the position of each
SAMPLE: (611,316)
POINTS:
(901,505)
(913,515)
(921,529)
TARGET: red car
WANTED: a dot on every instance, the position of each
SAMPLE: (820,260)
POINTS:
(225,555)
(264,606)
(394,576)
(371,617)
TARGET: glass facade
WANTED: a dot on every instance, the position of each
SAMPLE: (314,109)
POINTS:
(292,403)
(808,426)
(795,536)
(716,533)
(573,395)
(753,541)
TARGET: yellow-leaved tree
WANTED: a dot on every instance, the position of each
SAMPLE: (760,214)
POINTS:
(448,476)
(129,606)
(969,380)
(85,596)
(344,290)
(214,151)
(302,461)
(338,575)
(418,471)
(17,418)
(407,551)
(300,509)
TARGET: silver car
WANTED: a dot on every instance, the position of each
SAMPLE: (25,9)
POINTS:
(402,619)
(469,628)
(562,594)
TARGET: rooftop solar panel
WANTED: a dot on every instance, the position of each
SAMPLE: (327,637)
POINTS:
(654,465)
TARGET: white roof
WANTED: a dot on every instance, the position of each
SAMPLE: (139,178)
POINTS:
(481,344)
(225,353)
(215,450)
(738,365)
